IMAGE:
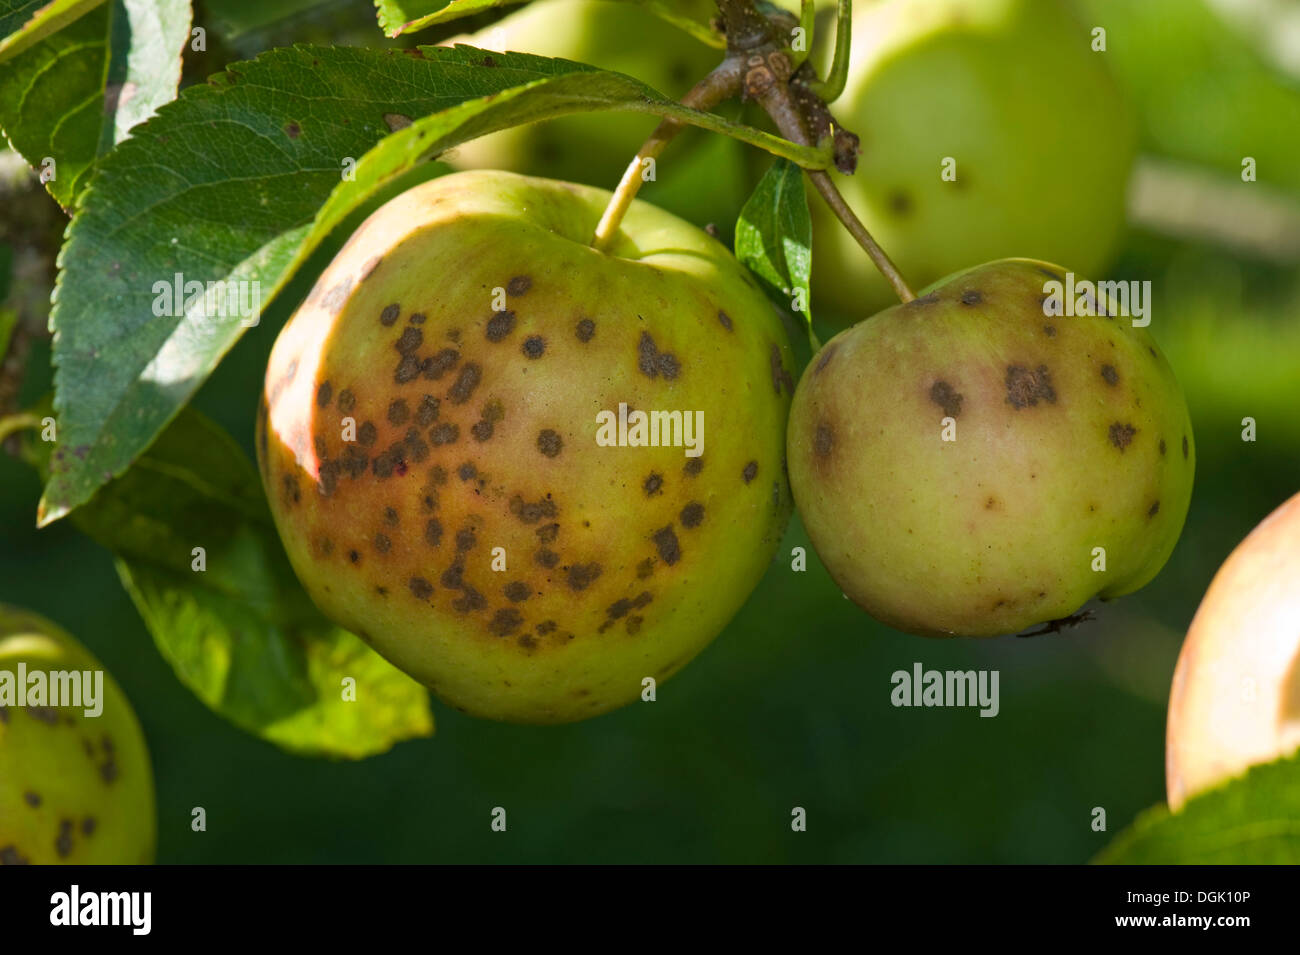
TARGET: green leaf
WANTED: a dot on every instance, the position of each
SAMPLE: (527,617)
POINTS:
(241,633)
(410,16)
(25,22)
(1253,819)
(71,97)
(774,236)
(226,185)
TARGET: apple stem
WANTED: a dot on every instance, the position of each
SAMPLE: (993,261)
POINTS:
(782,105)
(721,84)
(15,423)
(878,257)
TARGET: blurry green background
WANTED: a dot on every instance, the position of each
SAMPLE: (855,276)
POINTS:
(790,706)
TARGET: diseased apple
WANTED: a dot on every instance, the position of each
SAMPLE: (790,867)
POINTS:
(969,464)
(74,788)
(436,435)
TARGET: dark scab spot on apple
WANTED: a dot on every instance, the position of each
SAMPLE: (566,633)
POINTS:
(445,432)
(1026,388)
(546,557)
(972,297)
(505,622)
(420,587)
(398,411)
(823,440)
(670,551)
(466,382)
(390,516)
(324,393)
(1154,509)
(465,539)
(354,557)
(347,401)
(88,826)
(634,625)
(549,443)
(416,449)
(692,514)
(435,366)
(32,799)
(526,641)
(1162,447)
(750,472)
(517,591)
(390,313)
(500,325)
(1184,447)
(355,461)
(947,398)
(63,844)
(470,600)
(900,203)
(780,376)
(548,533)
(1049,330)
(645,568)
(545,627)
(652,362)
(827,354)
(585,329)
(1152,351)
(653,484)
(383,543)
(1121,435)
(410,340)
(329,477)
(408,369)
(467,471)
(453,577)
(930,299)
(418,318)
(724,320)
(367,434)
(427,413)
(582,575)
(9,855)
(534,346)
(693,466)
(1110,375)
(519,285)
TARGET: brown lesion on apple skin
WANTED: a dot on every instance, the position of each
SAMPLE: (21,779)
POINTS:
(947,398)
(1027,387)
(1121,434)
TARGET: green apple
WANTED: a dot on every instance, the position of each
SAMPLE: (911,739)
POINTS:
(75,781)
(972,463)
(700,177)
(990,129)
(437,446)
(1235,700)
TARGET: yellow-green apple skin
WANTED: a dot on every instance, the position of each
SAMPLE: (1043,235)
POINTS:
(472,528)
(74,789)
(1235,700)
(701,177)
(959,461)
(1011,91)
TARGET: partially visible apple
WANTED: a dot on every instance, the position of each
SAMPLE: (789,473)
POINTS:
(74,788)
(990,129)
(1235,700)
